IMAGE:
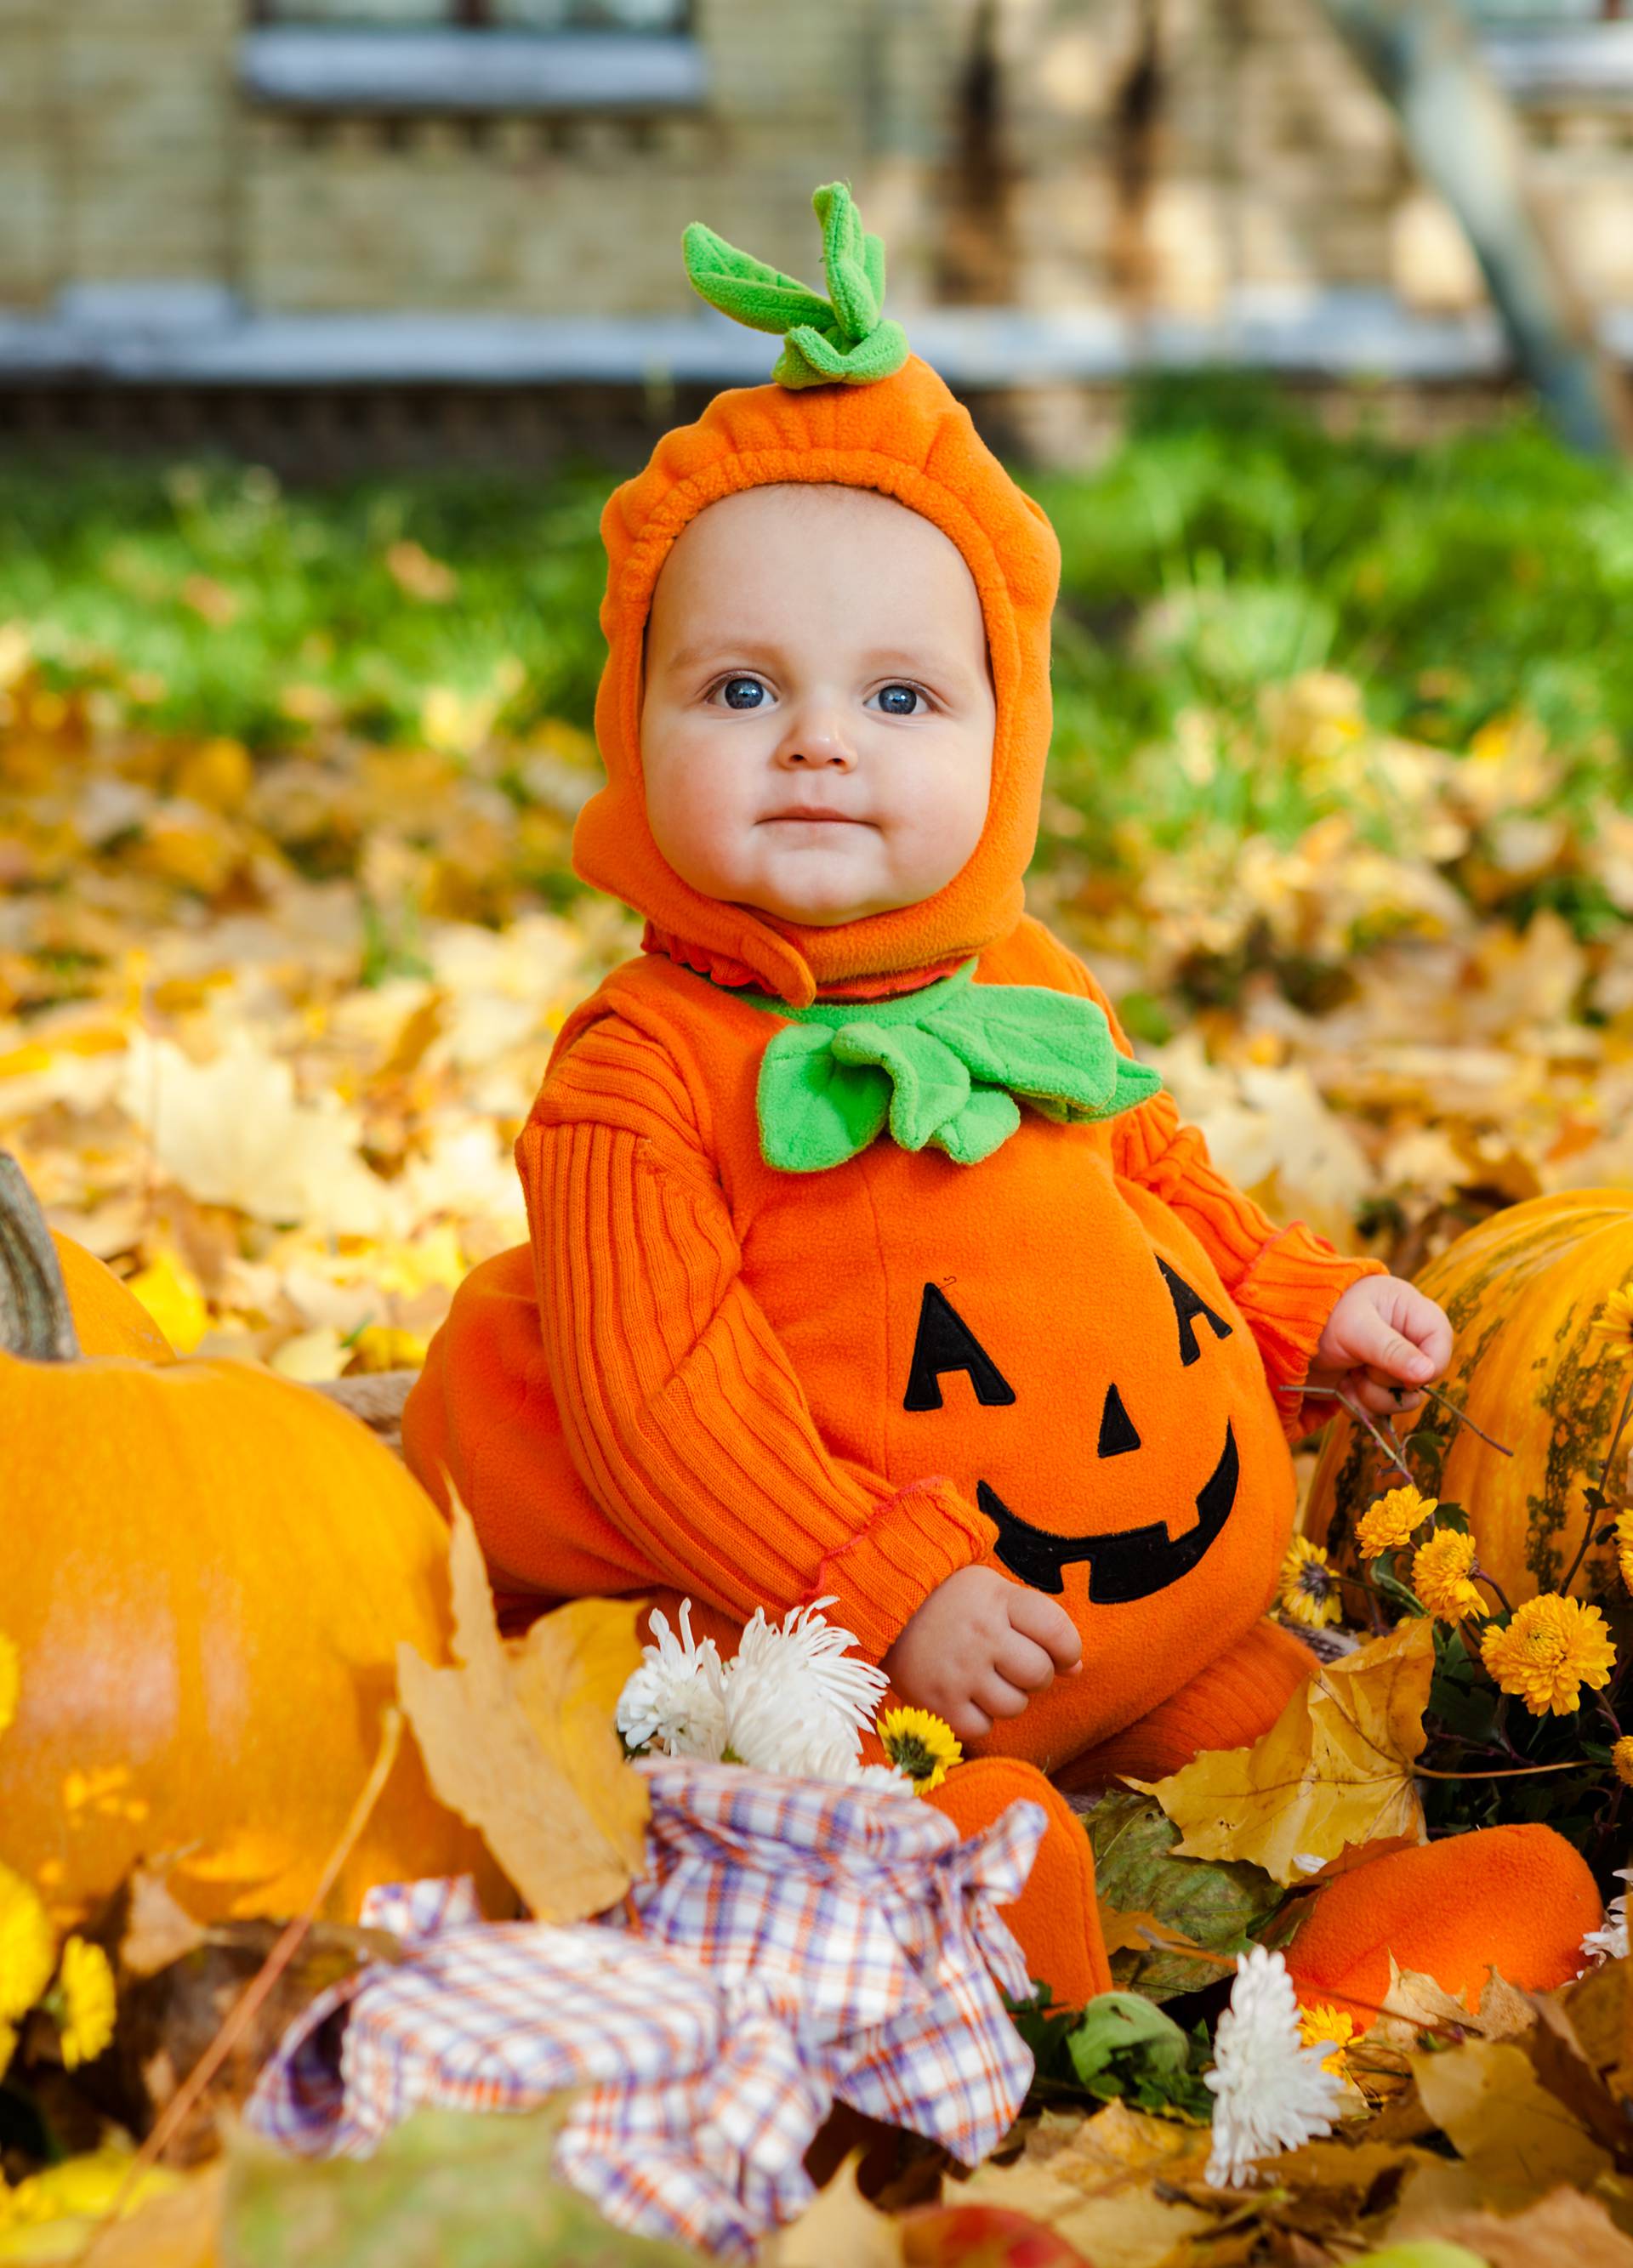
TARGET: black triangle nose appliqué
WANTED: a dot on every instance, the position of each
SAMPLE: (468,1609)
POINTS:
(944,1341)
(1117,1427)
(1188,1305)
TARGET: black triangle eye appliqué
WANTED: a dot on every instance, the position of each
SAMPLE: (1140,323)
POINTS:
(945,1342)
(1188,1305)
(1117,1427)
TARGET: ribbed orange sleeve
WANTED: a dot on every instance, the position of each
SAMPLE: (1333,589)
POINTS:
(1286,1281)
(680,1407)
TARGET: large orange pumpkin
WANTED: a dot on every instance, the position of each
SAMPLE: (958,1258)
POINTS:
(207,1571)
(108,1319)
(1521,1291)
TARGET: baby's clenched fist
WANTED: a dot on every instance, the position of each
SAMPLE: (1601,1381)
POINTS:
(978,1648)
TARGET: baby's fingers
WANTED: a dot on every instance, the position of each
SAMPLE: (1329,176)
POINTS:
(1025,1663)
(1047,1625)
(994,1694)
(968,1720)
(1380,1400)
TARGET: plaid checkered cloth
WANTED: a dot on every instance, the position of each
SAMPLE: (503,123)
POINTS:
(793,1941)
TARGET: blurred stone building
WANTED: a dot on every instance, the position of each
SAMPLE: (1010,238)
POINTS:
(353,211)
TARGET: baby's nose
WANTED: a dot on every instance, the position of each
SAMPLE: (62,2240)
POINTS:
(815,743)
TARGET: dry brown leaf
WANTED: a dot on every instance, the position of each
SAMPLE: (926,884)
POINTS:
(1516,2141)
(1414,2004)
(1138,1931)
(1598,2005)
(1354,2168)
(1092,2180)
(158,1930)
(519,1740)
(1563,2226)
(1333,1770)
(1563,2064)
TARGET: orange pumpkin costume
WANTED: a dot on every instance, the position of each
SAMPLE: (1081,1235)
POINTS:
(707,1376)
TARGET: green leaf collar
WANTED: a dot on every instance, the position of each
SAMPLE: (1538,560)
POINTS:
(842,339)
(943,1066)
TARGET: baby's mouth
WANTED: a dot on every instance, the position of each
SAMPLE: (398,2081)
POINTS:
(818,816)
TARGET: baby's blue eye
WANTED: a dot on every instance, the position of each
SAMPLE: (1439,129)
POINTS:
(743,692)
(900,700)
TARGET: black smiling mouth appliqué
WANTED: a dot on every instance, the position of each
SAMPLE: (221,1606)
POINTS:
(1128,1565)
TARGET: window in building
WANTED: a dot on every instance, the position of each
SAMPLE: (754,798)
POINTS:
(478,15)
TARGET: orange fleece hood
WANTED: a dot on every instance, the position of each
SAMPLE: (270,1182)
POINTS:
(905,436)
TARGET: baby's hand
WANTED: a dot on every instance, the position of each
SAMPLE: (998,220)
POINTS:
(978,1647)
(1383,1326)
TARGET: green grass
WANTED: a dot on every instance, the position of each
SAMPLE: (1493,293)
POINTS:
(1229,544)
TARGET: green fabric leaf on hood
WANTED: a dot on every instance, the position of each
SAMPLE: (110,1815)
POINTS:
(843,339)
(946,1066)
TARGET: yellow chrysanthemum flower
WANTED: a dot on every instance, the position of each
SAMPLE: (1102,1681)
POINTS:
(86,2189)
(84,2003)
(11,1680)
(1325,2023)
(923,1746)
(1621,1759)
(1440,1576)
(1388,1524)
(1613,1323)
(1553,1648)
(28,1948)
(1309,1593)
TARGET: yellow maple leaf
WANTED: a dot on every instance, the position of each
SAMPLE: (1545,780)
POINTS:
(520,1740)
(1334,1769)
(175,1298)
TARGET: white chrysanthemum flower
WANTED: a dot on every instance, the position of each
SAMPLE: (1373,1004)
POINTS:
(1270,2092)
(795,1703)
(1610,1942)
(677,1698)
(882,1779)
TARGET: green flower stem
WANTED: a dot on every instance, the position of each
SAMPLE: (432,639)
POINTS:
(1492,1584)
(1506,1771)
(1593,1510)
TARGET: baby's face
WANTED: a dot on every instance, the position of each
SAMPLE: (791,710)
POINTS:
(817,718)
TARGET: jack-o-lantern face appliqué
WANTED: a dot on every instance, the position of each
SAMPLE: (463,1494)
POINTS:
(1130,1563)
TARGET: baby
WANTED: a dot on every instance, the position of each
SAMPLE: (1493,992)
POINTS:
(816,740)
(865,1262)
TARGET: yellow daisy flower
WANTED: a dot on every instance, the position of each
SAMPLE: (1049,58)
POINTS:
(1621,1759)
(1325,2023)
(1440,1576)
(1388,1524)
(1613,1323)
(27,1949)
(1309,1593)
(1553,1648)
(10,1679)
(84,2003)
(920,1744)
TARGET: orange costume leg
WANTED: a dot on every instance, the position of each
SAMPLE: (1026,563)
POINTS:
(1516,1899)
(1228,1705)
(1055,1918)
